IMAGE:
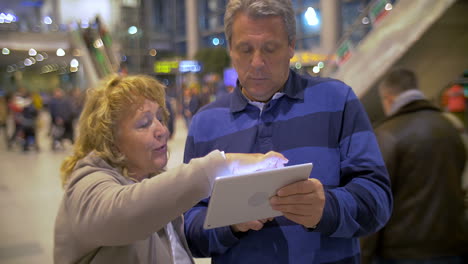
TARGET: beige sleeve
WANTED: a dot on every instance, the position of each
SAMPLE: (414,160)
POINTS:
(104,212)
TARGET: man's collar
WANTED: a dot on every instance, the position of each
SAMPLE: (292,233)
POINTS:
(293,88)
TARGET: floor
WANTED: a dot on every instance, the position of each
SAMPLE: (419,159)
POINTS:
(30,193)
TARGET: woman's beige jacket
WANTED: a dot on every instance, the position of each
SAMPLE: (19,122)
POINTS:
(105,217)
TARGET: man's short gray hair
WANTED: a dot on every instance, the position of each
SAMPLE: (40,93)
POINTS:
(258,9)
(399,80)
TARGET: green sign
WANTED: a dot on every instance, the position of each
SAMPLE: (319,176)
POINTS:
(166,66)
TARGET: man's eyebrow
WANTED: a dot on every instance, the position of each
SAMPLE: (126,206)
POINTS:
(272,41)
(247,43)
(242,43)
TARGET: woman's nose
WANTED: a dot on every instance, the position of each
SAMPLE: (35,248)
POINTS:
(160,130)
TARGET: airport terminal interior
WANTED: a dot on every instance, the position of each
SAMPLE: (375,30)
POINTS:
(57,49)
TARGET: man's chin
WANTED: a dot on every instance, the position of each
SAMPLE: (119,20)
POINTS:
(260,93)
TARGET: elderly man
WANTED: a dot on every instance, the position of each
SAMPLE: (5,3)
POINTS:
(306,119)
(425,157)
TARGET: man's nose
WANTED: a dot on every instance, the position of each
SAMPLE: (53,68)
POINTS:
(257,60)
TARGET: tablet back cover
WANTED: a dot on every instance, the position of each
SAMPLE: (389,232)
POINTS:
(242,198)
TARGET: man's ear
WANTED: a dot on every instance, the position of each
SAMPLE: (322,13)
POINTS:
(230,50)
(292,47)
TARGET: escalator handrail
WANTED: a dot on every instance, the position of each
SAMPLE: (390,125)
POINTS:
(331,65)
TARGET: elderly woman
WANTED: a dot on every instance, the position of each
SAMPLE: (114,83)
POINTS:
(120,205)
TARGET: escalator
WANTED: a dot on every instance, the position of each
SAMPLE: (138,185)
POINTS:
(429,37)
(90,46)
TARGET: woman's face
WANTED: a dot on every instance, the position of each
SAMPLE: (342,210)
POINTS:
(142,138)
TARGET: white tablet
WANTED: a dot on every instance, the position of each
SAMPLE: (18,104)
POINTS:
(242,198)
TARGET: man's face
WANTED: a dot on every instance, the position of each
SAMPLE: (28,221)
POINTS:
(386,99)
(260,53)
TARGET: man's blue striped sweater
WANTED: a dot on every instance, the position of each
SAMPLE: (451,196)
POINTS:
(317,120)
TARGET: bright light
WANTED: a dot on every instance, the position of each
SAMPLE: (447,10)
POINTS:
(39,57)
(27,62)
(98,43)
(321,64)
(9,18)
(74,63)
(298,65)
(365,20)
(32,52)
(60,52)
(189,66)
(316,69)
(215,41)
(311,17)
(84,23)
(45,69)
(5,51)
(132,30)
(47,20)
(73,69)
(388,7)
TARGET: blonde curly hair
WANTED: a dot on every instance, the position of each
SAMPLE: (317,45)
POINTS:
(104,107)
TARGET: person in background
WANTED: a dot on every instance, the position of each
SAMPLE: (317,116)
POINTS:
(205,95)
(68,111)
(308,119)
(120,205)
(63,108)
(28,120)
(187,97)
(15,107)
(38,104)
(77,101)
(56,127)
(456,101)
(195,100)
(172,117)
(37,101)
(425,157)
(4,115)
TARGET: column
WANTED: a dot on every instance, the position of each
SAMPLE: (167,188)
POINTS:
(191,27)
(331,25)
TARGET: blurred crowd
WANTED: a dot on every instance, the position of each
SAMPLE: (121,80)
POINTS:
(20,122)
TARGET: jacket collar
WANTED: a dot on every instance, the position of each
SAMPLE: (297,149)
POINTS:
(292,88)
(413,106)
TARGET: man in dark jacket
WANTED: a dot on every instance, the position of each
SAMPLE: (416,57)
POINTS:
(425,158)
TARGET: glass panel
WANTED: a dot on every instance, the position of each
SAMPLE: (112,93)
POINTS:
(311,42)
